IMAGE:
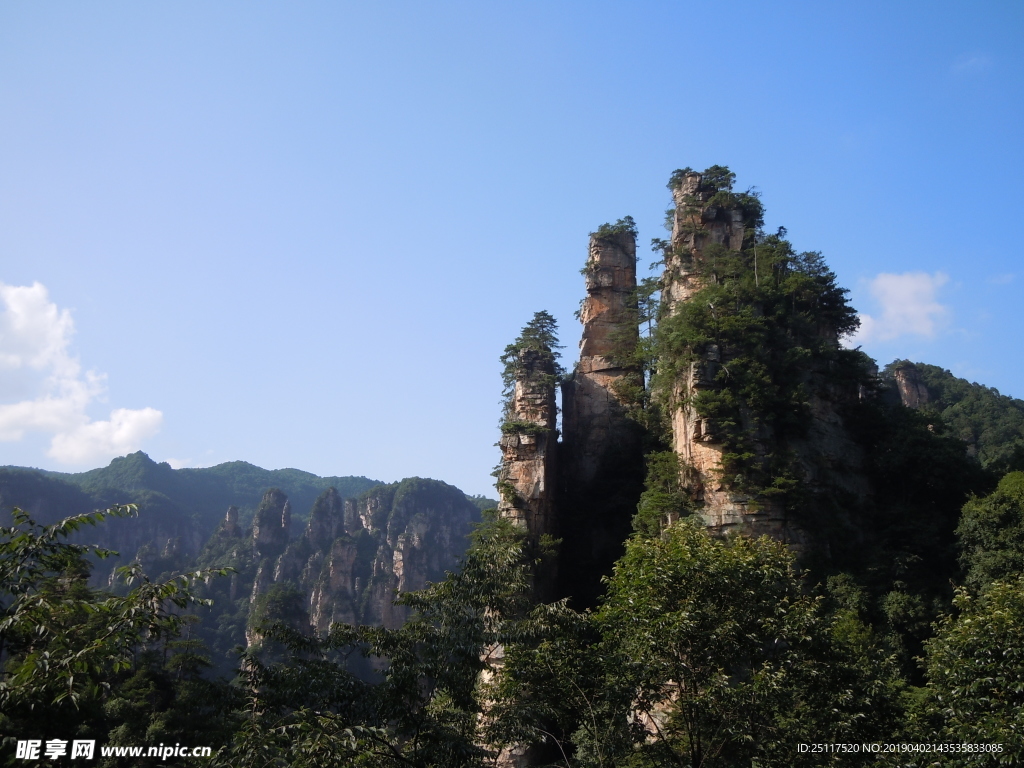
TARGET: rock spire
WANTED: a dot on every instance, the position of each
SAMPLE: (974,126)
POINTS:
(526,481)
(601,457)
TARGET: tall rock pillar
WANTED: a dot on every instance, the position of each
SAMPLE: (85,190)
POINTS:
(700,230)
(526,481)
(601,459)
(594,415)
(709,229)
(695,226)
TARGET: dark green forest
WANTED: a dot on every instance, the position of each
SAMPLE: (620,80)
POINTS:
(900,619)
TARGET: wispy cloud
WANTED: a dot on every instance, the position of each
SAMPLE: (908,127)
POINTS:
(1002,279)
(44,389)
(970,65)
(908,304)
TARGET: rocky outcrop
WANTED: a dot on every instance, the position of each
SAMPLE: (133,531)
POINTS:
(824,455)
(356,556)
(271,525)
(910,385)
(696,225)
(594,415)
(230,525)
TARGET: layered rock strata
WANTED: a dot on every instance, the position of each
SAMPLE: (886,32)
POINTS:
(526,481)
(601,458)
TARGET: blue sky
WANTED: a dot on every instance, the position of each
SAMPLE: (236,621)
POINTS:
(300,234)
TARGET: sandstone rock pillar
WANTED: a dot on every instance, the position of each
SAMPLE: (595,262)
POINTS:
(696,225)
(699,227)
(594,414)
(601,457)
(526,481)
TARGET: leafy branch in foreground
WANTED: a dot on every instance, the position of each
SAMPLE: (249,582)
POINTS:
(62,640)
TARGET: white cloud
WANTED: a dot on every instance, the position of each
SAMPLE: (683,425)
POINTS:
(123,433)
(1002,279)
(179,463)
(43,388)
(909,307)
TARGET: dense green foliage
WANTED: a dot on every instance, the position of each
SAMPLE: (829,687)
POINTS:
(991,533)
(719,645)
(624,226)
(990,423)
(664,499)
(85,663)
(975,666)
(424,707)
(759,334)
(540,337)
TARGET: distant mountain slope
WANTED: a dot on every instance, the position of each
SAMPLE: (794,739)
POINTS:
(235,482)
(178,508)
(991,423)
(348,563)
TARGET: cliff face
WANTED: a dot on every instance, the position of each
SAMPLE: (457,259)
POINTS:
(696,224)
(910,385)
(355,556)
(697,227)
(594,416)
(601,456)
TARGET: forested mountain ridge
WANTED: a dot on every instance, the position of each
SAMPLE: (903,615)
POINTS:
(990,423)
(205,492)
(178,508)
(318,549)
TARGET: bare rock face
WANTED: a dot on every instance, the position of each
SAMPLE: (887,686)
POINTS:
(697,440)
(909,383)
(695,226)
(528,447)
(356,556)
(333,596)
(230,527)
(594,416)
(271,524)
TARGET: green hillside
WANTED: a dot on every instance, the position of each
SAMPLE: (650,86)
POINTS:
(199,496)
(991,423)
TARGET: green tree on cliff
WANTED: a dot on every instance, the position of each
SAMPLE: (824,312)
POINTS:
(540,335)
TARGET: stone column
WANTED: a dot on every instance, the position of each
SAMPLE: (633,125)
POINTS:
(601,458)
(526,483)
